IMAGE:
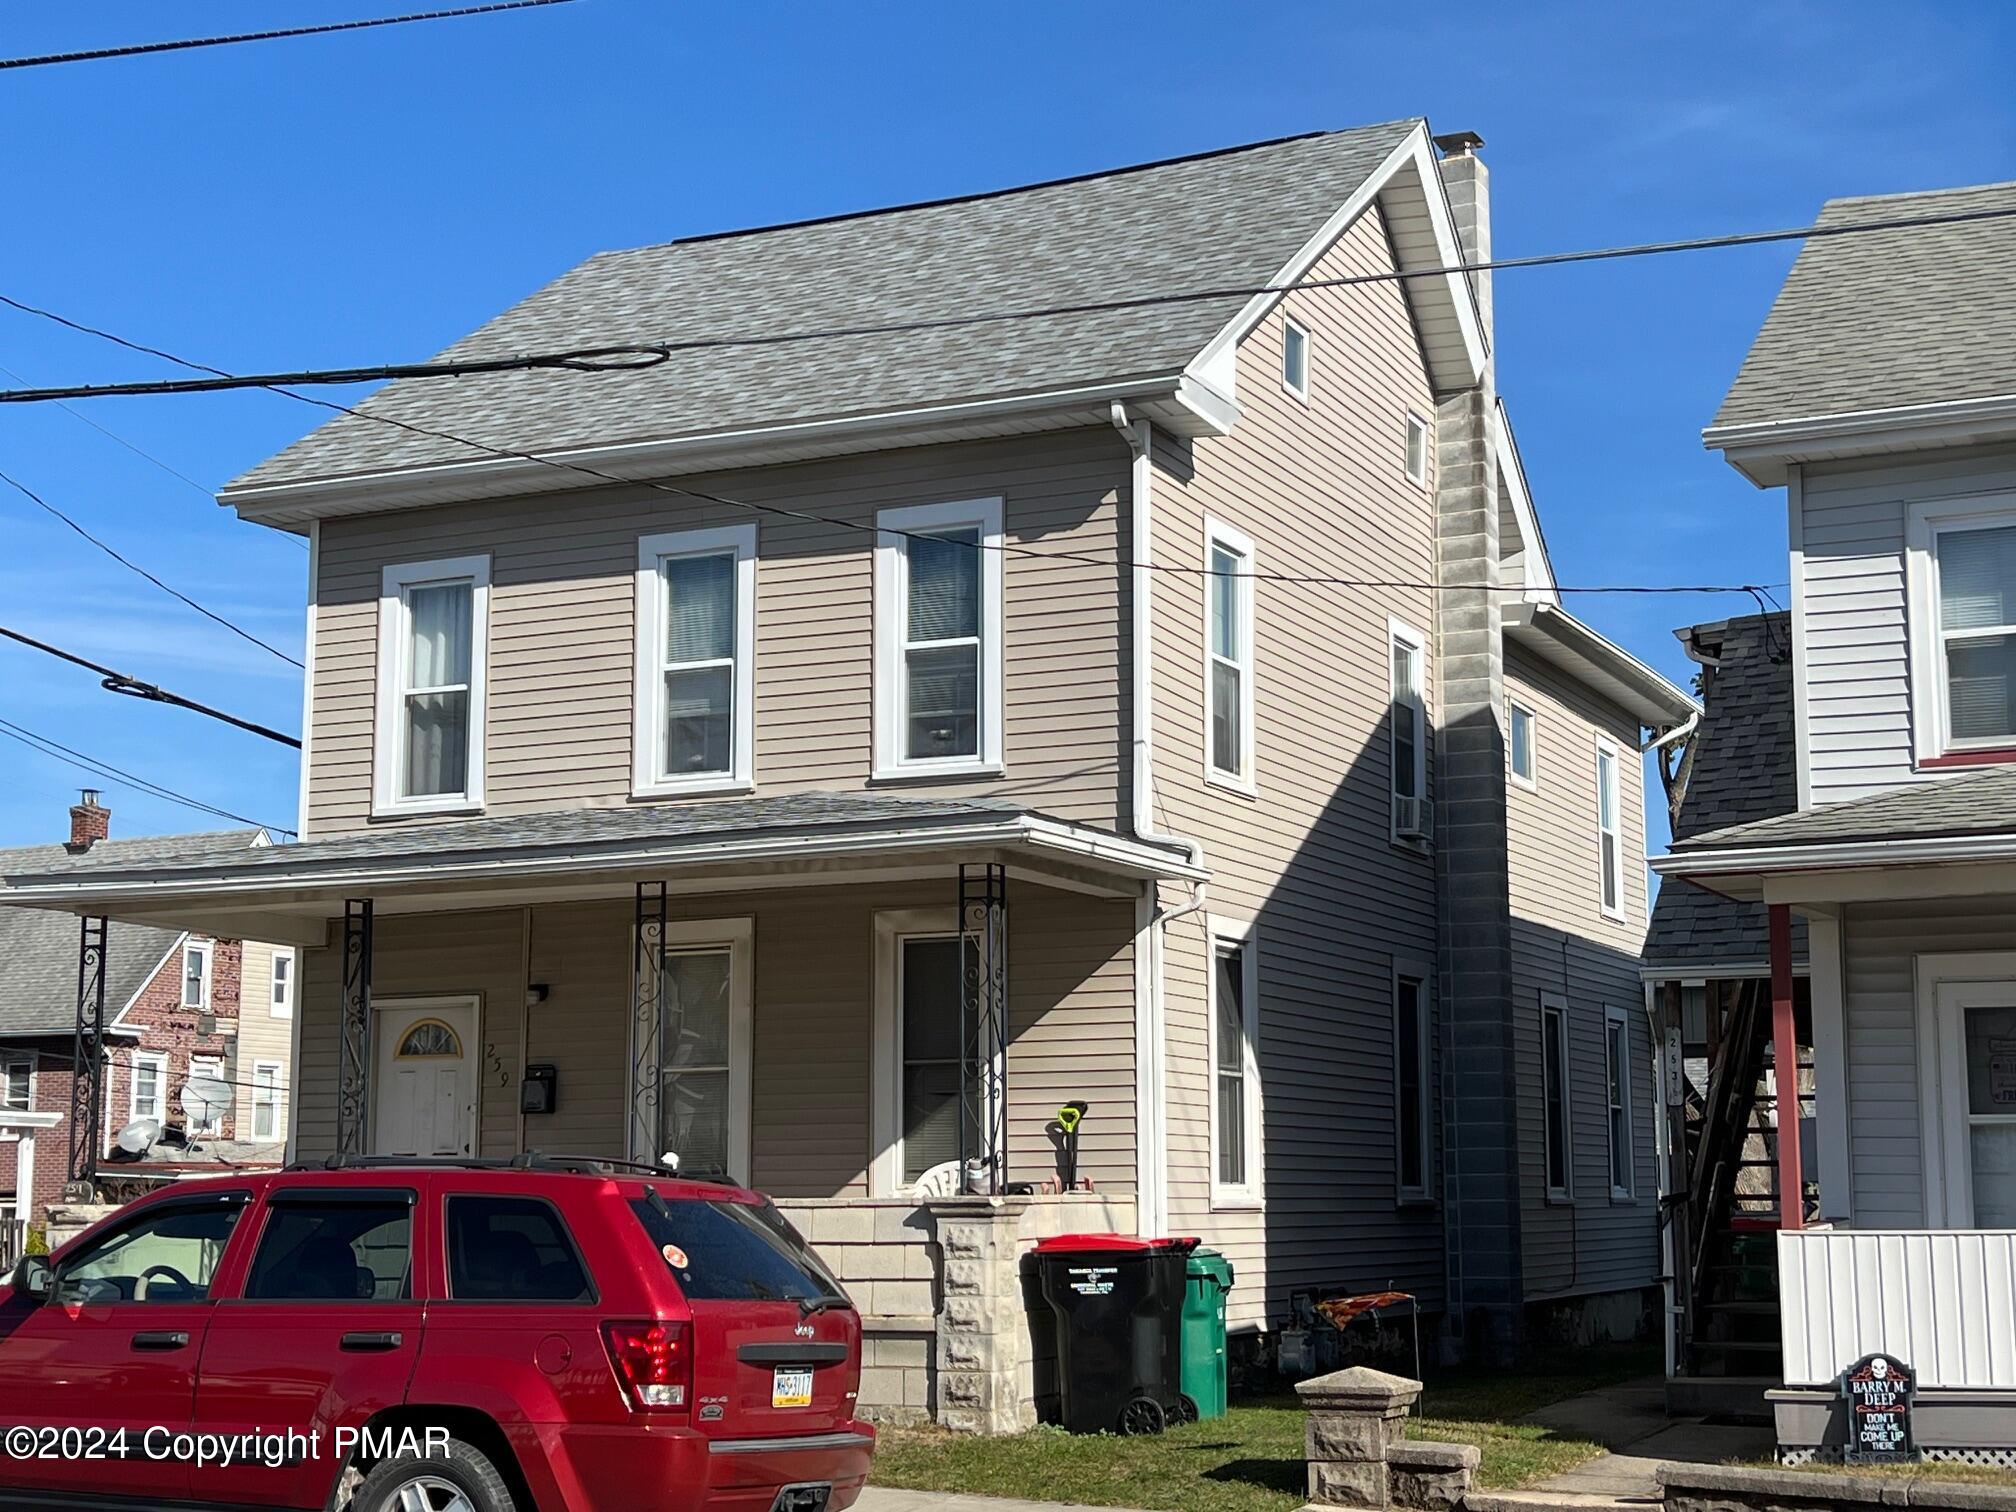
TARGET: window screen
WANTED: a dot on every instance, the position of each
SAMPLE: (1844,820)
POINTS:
(512,1249)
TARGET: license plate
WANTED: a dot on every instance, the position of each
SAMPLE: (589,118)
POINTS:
(791,1388)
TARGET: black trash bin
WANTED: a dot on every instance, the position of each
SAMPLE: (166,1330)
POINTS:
(1119,1308)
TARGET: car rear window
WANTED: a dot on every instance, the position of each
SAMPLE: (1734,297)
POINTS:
(734,1251)
(512,1249)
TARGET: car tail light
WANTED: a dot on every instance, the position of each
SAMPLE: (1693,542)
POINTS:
(654,1361)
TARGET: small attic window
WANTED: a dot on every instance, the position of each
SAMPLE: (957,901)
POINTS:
(1417,449)
(1295,359)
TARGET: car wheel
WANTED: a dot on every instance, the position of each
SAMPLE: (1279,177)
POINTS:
(461,1480)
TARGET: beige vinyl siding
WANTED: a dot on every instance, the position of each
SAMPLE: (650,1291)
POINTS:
(562,626)
(1320,488)
(261,1036)
(1563,945)
(1070,1008)
(1855,656)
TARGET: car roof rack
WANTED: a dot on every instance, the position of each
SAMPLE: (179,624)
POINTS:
(527,1160)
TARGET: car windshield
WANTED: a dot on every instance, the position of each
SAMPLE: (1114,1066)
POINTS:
(734,1251)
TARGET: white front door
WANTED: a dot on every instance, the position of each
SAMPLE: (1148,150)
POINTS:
(1977,1046)
(424,1079)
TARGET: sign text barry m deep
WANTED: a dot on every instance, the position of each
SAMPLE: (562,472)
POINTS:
(1878,1391)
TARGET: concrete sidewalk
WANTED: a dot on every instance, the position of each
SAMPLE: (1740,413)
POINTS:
(887,1499)
(1630,1422)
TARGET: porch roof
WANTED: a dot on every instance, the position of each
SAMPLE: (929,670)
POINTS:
(779,839)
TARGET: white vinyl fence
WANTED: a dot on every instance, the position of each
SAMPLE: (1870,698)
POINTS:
(1943,1302)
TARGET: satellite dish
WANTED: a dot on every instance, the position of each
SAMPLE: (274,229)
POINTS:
(138,1136)
(205,1100)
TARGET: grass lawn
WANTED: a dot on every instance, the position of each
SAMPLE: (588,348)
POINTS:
(1251,1459)
(1939,1470)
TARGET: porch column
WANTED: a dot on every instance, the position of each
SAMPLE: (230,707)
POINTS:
(1785,1072)
(354,1050)
(87,1059)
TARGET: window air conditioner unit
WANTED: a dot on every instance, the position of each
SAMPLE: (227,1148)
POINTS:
(1412,817)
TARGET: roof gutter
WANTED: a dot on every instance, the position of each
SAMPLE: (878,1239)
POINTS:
(1761,449)
(1919,850)
(1660,703)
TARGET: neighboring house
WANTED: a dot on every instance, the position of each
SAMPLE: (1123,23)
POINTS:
(1881,394)
(172,1011)
(897,736)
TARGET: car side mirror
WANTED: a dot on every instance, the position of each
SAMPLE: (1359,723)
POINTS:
(34,1278)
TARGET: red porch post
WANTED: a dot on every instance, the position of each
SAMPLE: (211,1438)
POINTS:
(1785,1063)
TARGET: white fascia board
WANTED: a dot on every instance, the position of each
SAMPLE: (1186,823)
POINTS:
(1559,637)
(1762,450)
(1539,585)
(1921,850)
(295,502)
(1111,852)
(1215,364)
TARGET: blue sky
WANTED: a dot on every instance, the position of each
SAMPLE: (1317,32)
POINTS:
(374,196)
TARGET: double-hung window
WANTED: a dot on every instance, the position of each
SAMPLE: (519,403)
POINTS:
(1524,752)
(1974,569)
(1235,1066)
(1408,740)
(1609,833)
(17,1085)
(281,1004)
(266,1100)
(207,1069)
(1617,1072)
(938,578)
(696,679)
(196,974)
(150,1085)
(1554,1104)
(1413,1083)
(931,1100)
(1417,450)
(1295,357)
(1228,657)
(433,620)
(693,1058)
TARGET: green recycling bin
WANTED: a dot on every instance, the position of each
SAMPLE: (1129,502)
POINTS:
(1206,1280)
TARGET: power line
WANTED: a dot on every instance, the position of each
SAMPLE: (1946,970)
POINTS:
(119,682)
(137,49)
(642,355)
(119,777)
(132,566)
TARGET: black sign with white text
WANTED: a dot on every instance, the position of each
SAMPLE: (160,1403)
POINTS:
(1878,1391)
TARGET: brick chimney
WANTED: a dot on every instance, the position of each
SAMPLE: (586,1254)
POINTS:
(90,821)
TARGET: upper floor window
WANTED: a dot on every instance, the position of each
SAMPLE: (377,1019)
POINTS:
(1235,1065)
(1413,1090)
(266,1099)
(696,659)
(150,1085)
(1228,656)
(938,639)
(433,620)
(1295,358)
(206,1069)
(196,974)
(1412,818)
(17,1084)
(1524,753)
(282,1003)
(1976,576)
(1609,833)
(1417,449)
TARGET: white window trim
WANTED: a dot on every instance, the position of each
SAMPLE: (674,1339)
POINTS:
(159,1061)
(892,927)
(891,578)
(738,937)
(1557,1007)
(1610,834)
(251,1129)
(1288,385)
(1927,521)
(1250,1193)
(1530,782)
(388,748)
(1618,1019)
(206,951)
(1944,984)
(32,1060)
(280,1005)
(647,739)
(1399,632)
(1413,423)
(1423,976)
(1220,536)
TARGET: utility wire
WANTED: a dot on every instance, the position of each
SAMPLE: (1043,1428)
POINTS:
(581,469)
(119,777)
(137,49)
(132,566)
(638,356)
(119,682)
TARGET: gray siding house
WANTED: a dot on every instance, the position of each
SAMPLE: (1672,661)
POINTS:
(824,757)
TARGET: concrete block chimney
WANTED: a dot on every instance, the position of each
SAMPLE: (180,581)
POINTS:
(90,821)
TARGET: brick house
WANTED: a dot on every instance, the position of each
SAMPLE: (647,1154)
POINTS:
(174,1003)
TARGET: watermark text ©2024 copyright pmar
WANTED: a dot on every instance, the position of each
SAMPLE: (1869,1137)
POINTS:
(257,1446)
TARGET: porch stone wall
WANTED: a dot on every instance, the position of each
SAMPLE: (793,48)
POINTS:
(955,1331)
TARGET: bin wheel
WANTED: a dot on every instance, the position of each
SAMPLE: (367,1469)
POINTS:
(1186,1411)
(1143,1415)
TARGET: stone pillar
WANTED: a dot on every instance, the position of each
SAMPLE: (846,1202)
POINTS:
(982,1340)
(1356,1417)
(67,1220)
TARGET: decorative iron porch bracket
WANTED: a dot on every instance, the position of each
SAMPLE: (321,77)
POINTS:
(647,1000)
(983,1027)
(354,1049)
(87,1053)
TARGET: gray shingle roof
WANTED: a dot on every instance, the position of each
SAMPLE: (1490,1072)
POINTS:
(1232,219)
(557,829)
(1743,771)
(38,949)
(1886,319)
(1978,803)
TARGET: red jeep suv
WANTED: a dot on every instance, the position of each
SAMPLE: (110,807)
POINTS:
(399,1336)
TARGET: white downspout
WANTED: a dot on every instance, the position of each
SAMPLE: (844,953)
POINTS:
(1151,1141)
